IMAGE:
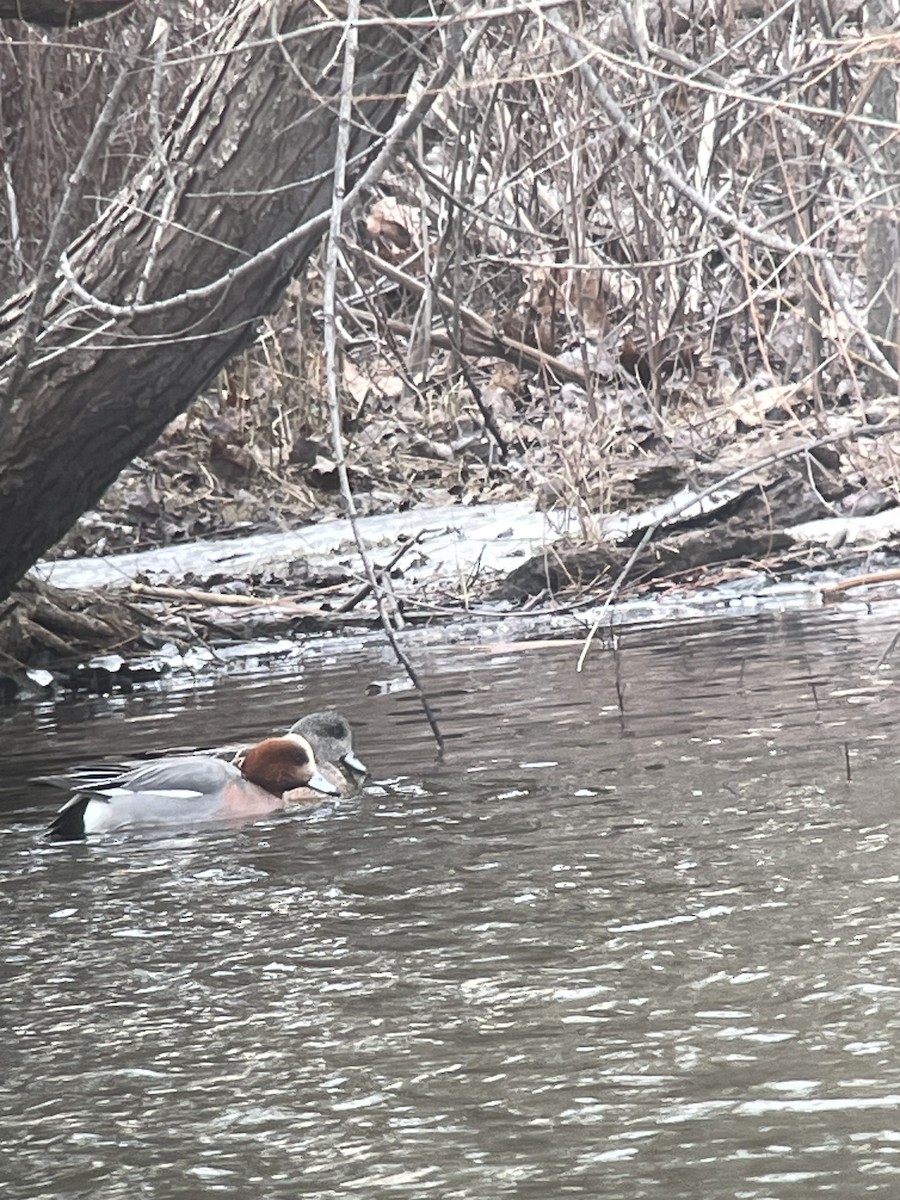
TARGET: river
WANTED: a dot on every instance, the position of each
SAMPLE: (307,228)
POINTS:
(637,936)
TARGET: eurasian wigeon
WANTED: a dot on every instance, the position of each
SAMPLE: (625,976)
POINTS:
(331,739)
(187,790)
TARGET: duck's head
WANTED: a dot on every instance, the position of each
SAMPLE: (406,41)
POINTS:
(331,738)
(280,764)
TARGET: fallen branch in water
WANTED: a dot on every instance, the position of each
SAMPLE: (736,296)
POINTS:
(154,591)
(869,580)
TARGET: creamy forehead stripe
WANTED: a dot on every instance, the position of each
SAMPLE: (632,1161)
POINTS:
(299,740)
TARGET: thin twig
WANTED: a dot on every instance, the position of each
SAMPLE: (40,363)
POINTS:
(892,645)
(481,404)
(361,592)
(329,311)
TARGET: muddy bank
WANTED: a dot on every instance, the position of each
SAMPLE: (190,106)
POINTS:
(502,571)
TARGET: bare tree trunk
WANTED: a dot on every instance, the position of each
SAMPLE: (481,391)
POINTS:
(148,303)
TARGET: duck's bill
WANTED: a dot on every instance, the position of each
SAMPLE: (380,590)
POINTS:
(356,765)
(319,783)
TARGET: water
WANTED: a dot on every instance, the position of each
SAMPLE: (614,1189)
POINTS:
(636,937)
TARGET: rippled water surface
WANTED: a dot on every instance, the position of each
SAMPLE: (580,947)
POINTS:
(638,936)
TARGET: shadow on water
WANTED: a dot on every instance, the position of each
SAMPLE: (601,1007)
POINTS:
(636,936)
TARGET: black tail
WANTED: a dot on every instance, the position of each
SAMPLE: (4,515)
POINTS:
(68,824)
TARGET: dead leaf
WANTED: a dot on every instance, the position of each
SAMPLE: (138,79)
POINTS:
(229,452)
(395,229)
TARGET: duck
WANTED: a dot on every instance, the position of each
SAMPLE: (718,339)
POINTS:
(186,790)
